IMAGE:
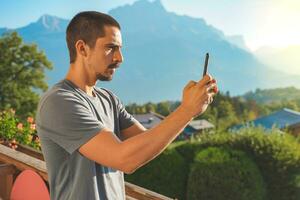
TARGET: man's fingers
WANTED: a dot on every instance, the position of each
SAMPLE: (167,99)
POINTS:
(209,99)
(205,80)
(212,88)
(190,84)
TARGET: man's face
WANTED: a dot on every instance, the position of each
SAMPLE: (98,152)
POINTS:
(106,55)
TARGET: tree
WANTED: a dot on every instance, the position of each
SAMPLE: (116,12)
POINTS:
(150,107)
(163,108)
(22,76)
(226,116)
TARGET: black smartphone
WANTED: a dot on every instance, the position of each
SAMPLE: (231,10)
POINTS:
(205,64)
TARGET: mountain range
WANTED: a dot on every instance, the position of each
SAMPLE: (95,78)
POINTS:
(162,52)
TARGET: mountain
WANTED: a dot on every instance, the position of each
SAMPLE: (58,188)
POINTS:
(48,32)
(273,95)
(3,30)
(238,40)
(162,52)
(171,49)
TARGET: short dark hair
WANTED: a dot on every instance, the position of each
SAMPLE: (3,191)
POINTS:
(87,26)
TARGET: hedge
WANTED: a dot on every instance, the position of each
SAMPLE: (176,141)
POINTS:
(221,173)
(166,174)
(277,156)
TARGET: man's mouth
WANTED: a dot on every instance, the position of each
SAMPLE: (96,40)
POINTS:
(114,66)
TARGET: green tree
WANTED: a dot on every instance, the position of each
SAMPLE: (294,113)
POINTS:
(163,108)
(132,108)
(292,104)
(226,116)
(150,107)
(22,76)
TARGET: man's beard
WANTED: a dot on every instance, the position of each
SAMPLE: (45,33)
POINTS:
(102,77)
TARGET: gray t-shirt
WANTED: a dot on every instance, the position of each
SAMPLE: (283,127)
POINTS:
(66,119)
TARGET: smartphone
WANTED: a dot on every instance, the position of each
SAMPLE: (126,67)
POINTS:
(205,64)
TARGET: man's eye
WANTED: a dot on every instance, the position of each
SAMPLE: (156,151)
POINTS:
(111,48)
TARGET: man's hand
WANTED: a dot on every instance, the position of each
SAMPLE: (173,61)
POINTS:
(198,95)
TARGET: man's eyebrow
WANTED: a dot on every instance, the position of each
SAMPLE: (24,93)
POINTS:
(113,45)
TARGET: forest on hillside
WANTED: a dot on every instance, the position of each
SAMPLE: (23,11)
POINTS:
(226,111)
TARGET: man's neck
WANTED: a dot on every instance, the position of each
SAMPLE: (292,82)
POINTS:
(81,79)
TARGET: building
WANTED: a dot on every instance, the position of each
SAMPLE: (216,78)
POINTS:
(282,119)
(198,127)
(151,119)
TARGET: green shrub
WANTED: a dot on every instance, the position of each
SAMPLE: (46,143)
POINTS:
(277,156)
(222,173)
(166,174)
(186,149)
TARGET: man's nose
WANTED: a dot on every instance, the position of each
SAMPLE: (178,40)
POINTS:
(118,57)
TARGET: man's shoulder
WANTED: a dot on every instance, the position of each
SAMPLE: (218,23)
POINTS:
(59,93)
(106,92)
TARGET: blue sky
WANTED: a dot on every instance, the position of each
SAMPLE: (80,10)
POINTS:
(261,22)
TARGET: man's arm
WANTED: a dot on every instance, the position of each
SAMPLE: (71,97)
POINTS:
(135,129)
(134,152)
(105,148)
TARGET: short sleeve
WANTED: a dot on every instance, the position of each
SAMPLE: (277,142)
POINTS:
(67,121)
(125,119)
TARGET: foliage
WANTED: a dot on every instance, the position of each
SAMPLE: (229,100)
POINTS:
(164,108)
(223,173)
(14,132)
(273,95)
(166,174)
(22,75)
(276,154)
(225,111)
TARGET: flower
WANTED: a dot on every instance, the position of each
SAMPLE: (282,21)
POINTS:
(20,126)
(30,120)
(13,111)
(32,126)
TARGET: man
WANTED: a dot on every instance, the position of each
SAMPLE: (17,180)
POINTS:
(88,139)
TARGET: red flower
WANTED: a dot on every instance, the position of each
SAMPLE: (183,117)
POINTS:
(30,120)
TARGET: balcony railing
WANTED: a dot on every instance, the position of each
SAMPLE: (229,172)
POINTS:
(12,162)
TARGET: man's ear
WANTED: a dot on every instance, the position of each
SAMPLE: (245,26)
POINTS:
(81,48)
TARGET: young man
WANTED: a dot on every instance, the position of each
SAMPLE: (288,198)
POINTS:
(88,139)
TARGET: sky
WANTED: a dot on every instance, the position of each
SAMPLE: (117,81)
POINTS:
(261,22)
